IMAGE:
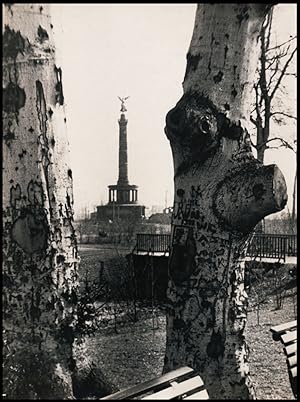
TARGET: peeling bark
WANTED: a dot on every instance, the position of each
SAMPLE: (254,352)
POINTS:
(221,193)
(40,281)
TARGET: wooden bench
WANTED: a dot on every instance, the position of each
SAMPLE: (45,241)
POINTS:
(287,334)
(182,383)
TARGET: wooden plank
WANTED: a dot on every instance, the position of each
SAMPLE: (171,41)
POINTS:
(198,395)
(177,389)
(289,337)
(283,327)
(292,361)
(293,372)
(148,385)
(291,349)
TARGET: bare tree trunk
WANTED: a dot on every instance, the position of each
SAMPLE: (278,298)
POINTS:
(263,126)
(221,193)
(260,145)
(39,244)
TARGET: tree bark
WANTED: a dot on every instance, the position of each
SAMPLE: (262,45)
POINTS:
(221,193)
(39,244)
(294,201)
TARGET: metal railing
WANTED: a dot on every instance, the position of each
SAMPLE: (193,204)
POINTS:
(273,246)
(291,246)
(261,246)
(153,242)
(267,246)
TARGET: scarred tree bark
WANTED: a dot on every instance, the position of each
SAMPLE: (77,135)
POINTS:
(39,245)
(221,193)
(40,250)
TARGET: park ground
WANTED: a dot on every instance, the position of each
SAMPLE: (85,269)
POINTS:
(132,352)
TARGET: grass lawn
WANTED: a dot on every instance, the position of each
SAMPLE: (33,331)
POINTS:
(135,354)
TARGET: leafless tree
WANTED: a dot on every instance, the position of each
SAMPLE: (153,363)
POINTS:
(275,65)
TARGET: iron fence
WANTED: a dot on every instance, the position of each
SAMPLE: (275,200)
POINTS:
(153,242)
(262,245)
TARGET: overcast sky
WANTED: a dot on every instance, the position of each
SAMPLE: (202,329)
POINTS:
(136,50)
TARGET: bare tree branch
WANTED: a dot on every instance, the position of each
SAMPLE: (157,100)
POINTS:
(279,70)
(255,122)
(274,74)
(272,61)
(277,56)
(283,72)
(292,74)
(282,44)
(252,144)
(283,52)
(257,99)
(284,114)
(284,143)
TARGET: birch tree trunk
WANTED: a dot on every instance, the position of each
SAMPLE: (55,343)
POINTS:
(221,193)
(39,244)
